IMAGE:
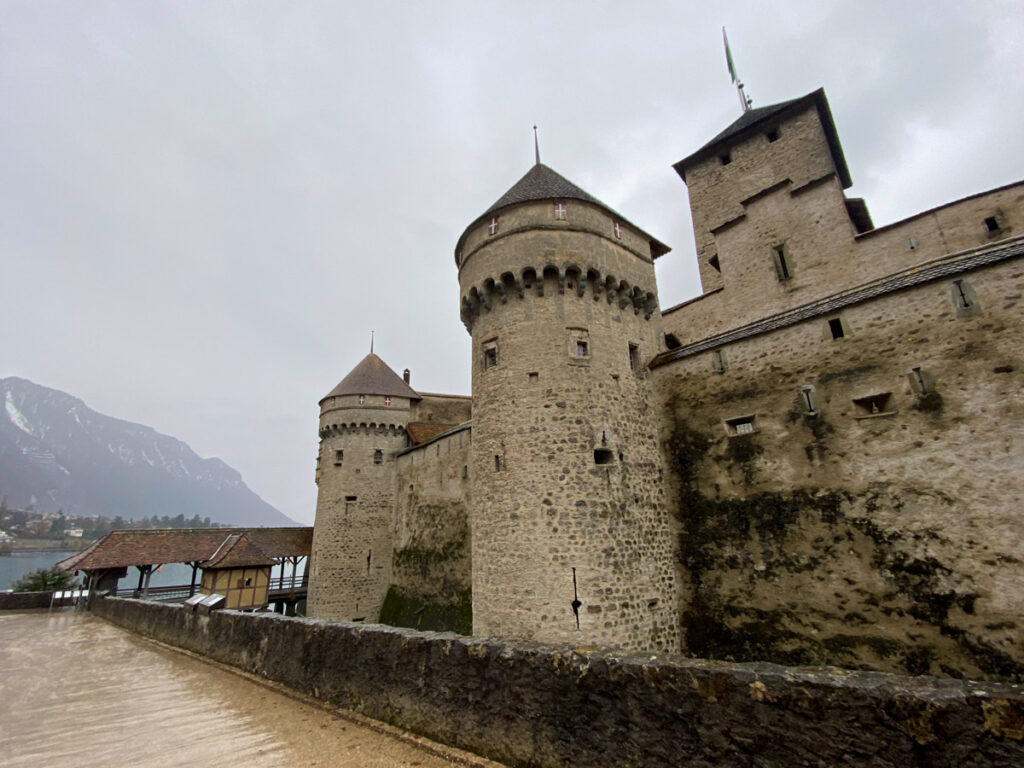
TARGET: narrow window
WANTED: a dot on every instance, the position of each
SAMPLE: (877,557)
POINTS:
(726,158)
(339,456)
(715,265)
(783,266)
(604,456)
(579,346)
(362,399)
(960,295)
(873,405)
(921,381)
(465,471)
(718,361)
(617,228)
(490,355)
(634,357)
(808,401)
(992,225)
(387,402)
(772,135)
(560,211)
(835,326)
(492,228)
(743,425)
(672,341)
(497,463)
(378,456)
(965,300)
(350,504)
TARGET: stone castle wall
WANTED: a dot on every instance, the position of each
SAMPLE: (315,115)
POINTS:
(552,706)
(431,575)
(886,540)
(566,472)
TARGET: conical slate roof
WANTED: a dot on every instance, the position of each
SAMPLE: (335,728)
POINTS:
(755,119)
(542,183)
(373,377)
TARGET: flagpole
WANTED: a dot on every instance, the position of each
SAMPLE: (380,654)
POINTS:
(744,99)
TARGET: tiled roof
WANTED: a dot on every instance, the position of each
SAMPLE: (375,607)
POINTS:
(373,377)
(421,431)
(754,119)
(543,183)
(119,549)
(937,269)
(435,438)
(237,551)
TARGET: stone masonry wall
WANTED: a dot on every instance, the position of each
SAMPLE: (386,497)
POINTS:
(350,564)
(886,540)
(431,574)
(824,254)
(548,706)
(566,472)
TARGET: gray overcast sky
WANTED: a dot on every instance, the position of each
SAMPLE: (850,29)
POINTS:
(205,207)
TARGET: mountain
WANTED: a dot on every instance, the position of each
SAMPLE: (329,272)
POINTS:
(56,452)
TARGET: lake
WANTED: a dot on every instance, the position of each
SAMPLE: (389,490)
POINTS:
(16,564)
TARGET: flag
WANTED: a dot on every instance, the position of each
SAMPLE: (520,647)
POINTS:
(728,57)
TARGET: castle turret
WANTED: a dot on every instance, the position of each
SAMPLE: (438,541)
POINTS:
(362,426)
(570,536)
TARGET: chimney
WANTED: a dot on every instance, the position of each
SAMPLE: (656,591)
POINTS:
(405,375)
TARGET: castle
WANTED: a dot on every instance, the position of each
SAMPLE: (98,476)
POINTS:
(818,460)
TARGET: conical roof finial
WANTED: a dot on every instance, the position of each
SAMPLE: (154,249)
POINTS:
(371,342)
(536,145)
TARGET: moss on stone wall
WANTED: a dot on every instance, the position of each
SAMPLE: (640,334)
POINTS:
(810,577)
(405,610)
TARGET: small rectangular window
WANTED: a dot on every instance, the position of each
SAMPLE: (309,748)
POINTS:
(339,457)
(497,463)
(579,346)
(772,135)
(992,225)
(742,425)
(672,341)
(560,211)
(604,456)
(725,158)
(714,263)
(378,456)
(835,327)
(533,377)
(634,357)
(490,356)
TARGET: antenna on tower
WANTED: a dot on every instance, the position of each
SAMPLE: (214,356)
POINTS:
(745,101)
(536,145)
(371,342)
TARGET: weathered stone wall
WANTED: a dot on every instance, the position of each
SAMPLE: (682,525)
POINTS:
(350,564)
(430,573)
(566,470)
(888,540)
(800,155)
(824,254)
(544,706)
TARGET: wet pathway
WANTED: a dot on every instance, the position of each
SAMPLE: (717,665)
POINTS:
(75,690)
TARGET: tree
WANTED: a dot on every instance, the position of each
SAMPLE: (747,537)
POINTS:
(45,580)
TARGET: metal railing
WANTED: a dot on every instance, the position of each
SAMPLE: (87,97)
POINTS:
(178,592)
(295,583)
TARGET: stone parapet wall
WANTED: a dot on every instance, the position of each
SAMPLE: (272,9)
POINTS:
(25,601)
(548,706)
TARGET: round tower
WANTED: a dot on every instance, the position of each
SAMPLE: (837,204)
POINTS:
(362,426)
(570,536)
